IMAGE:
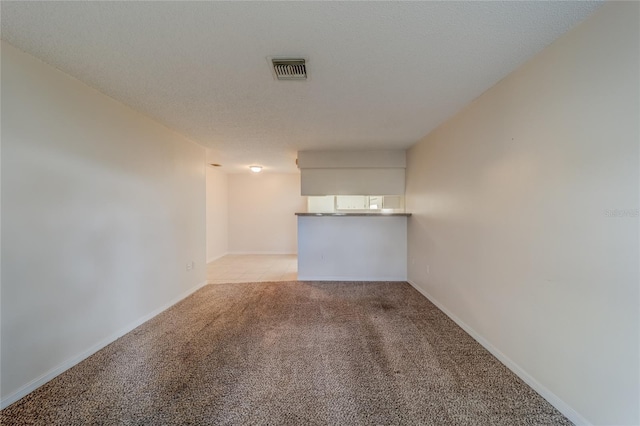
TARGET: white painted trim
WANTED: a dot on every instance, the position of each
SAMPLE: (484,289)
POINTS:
(261,252)
(213,259)
(552,398)
(36,383)
(345,278)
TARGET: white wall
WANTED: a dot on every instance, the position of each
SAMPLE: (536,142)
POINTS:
(217,213)
(515,231)
(357,248)
(262,209)
(366,172)
(102,209)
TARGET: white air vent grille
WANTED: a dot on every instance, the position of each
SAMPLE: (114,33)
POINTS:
(289,69)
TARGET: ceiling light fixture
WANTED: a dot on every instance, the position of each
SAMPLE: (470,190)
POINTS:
(255,169)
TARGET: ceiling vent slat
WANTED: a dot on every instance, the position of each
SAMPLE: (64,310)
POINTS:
(289,69)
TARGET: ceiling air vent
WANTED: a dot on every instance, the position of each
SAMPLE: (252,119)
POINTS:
(289,69)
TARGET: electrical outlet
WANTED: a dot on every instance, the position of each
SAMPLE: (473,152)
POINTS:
(428,269)
(191,265)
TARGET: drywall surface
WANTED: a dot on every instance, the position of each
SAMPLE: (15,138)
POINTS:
(365,172)
(217,213)
(525,218)
(262,209)
(358,248)
(362,159)
(361,181)
(102,210)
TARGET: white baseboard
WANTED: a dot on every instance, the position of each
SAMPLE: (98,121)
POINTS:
(261,252)
(343,278)
(552,398)
(36,383)
(213,259)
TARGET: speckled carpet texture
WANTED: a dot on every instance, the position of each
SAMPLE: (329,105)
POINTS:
(290,353)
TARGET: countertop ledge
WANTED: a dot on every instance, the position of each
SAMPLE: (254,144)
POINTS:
(354,214)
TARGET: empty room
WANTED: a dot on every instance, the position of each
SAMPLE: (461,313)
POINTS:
(320,213)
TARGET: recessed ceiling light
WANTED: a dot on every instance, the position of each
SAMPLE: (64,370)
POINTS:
(255,169)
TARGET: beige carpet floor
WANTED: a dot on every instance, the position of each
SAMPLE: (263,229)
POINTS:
(290,353)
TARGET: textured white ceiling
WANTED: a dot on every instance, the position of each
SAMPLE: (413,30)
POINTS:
(382,74)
